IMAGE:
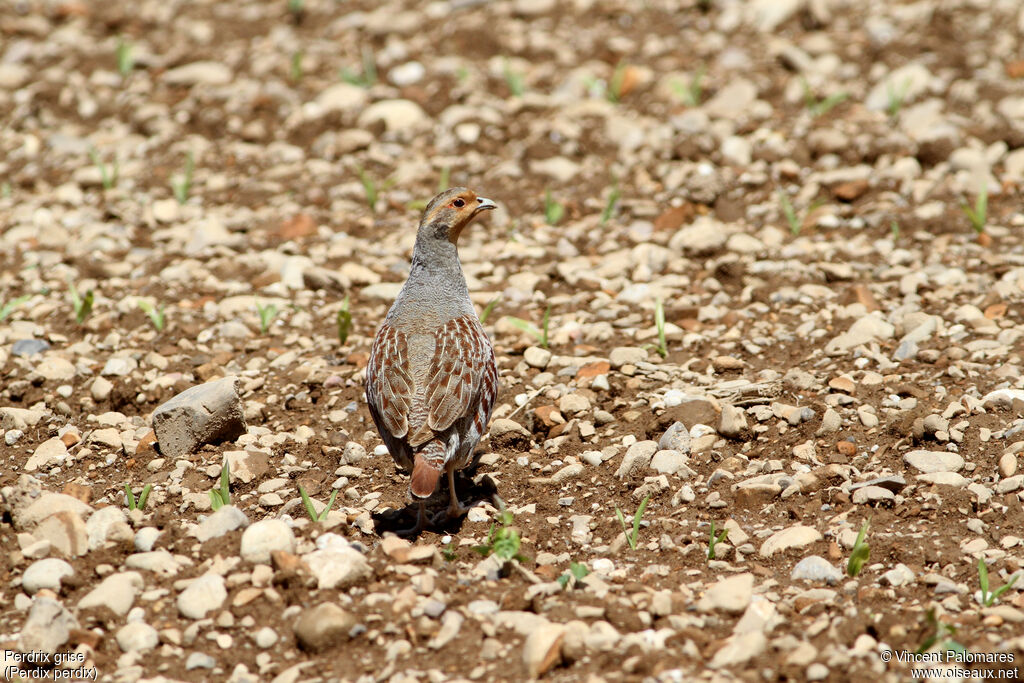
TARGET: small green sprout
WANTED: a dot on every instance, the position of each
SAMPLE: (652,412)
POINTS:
(823,106)
(659,322)
(344,320)
(514,80)
(617,81)
(444,181)
(488,309)
(553,210)
(108,172)
(577,570)
(296,8)
(611,202)
(156,314)
(367,78)
(989,598)
(502,541)
(266,314)
(371,188)
(795,221)
(632,536)
(691,93)
(894,228)
(860,553)
(81,304)
(896,96)
(9,307)
(5,190)
(978,214)
(448,553)
(222,496)
(123,55)
(182,184)
(714,540)
(139,504)
(940,631)
(540,335)
(311,511)
(295,66)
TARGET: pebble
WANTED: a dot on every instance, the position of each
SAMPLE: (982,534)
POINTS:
(537,357)
(228,518)
(137,636)
(816,569)
(796,536)
(322,627)
(732,594)
(336,564)
(264,537)
(202,595)
(934,461)
(45,573)
(116,592)
(542,649)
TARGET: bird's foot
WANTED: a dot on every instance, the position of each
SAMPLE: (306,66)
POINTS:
(453,511)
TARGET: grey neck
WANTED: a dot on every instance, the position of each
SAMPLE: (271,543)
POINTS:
(436,289)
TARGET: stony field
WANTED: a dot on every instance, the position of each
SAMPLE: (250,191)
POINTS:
(822,197)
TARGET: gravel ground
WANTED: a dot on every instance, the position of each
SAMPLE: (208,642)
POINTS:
(842,341)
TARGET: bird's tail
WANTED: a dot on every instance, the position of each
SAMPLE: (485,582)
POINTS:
(426,469)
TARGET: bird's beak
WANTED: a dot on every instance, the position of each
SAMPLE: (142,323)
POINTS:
(484,204)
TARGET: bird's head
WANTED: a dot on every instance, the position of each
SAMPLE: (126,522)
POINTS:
(451,211)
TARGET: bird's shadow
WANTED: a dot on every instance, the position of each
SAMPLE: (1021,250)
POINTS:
(471,491)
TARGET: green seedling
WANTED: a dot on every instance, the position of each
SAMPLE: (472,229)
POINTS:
(311,511)
(9,307)
(540,335)
(714,540)
(691,93)
(123,55)
(266,314)
(577,570)
(632,536)
(616,83)
(611,202)
(860,553)
(503,541)
(514,80)
(81,304)
(939,632)
(989,598)
(896,96)
(296,8)
(444,180)
(5,190)
(182,184)
(659,322)
(371,188)
(553,210)
(139,504)
(344,321)
(823,106)
(978,214)
(295,66)
(448,553)
(894,228)
(108,172)
(795,221)
(222,496)
(488,309)
(367,78)
(156,314)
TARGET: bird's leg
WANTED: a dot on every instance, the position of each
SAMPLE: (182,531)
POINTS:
(455,509)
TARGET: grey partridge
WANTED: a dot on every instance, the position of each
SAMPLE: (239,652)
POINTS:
(431,379)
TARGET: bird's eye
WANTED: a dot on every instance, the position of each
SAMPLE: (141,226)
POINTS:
(459,203)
